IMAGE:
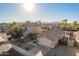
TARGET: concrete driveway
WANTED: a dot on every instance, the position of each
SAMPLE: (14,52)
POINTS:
(61,50)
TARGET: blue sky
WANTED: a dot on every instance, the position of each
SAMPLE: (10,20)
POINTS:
(45,12)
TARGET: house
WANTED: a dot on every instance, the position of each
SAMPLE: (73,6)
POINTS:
(56,24)
(76,34)
(5,48)
(4,27)
(50,38)
(31,28)
(3,37)
(28,49)
(47,26)
(70,38)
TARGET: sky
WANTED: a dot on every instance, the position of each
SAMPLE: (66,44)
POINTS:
(46,12)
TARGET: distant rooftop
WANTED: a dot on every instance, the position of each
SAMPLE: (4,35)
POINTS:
(28,24)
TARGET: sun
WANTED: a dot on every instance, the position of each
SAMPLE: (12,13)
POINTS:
(29,6)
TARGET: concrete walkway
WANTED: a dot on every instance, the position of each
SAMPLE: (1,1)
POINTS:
(61,50)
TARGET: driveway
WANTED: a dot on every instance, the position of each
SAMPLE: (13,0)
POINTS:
(61,50)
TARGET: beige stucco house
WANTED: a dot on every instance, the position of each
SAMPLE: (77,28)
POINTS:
(50,38)
(34,49)
(70,38)
(32,27)
(76,34)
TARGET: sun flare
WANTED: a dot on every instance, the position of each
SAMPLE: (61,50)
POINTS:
(29,6)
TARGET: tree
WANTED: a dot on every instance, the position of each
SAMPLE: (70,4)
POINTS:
(74,25)
(15,31)
(13,23)
(64,21)
(63,24)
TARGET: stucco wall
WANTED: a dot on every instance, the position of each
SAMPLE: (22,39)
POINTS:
(70,43)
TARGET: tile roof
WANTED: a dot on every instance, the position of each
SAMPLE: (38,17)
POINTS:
(53,34)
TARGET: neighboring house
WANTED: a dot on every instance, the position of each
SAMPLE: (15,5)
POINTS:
(70,43)
(3,37)
(56,24)
(67,34)
(47,26)
(70,38)
(51,37)
(31,28)
(76,34)
(29,49)
(4,48)
(4,27)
